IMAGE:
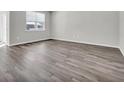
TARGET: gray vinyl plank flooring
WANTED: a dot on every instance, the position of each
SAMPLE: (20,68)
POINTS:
(60,61)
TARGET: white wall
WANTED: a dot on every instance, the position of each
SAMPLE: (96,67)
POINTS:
(122,32)
(100,28)
(1,26)
(17,27)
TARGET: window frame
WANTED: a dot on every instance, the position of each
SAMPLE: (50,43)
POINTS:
(44,28)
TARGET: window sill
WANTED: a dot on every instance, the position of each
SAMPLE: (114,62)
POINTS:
(35,30)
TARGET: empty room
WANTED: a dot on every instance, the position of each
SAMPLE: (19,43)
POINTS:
(62,46)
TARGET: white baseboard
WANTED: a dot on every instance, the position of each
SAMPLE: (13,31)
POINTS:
(105,45)
(122,51)
(14,44)
(62,40)
(2,44)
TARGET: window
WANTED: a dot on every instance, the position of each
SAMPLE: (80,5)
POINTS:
(35,21)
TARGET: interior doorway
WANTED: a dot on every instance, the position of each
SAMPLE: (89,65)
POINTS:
(3,28)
